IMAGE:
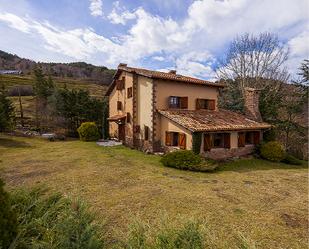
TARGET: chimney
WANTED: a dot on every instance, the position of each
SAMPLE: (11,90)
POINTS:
(172,71)
(122,65)
(251,97)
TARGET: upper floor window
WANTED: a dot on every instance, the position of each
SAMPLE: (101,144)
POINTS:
(178,102)
(129,92)
(120,84)
(128,117)
(208,104)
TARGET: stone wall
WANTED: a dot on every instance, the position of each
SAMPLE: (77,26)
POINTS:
(222,153)
(251,97)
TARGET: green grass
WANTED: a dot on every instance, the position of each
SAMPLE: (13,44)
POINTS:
(262,201)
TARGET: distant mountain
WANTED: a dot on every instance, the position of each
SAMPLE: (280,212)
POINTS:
(74,70)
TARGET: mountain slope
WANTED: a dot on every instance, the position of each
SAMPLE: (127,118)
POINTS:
(75,70)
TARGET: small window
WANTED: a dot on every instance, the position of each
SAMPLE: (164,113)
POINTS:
(249,138)
(129,92)
(119,105)
(207,104)
(128,117)
(120,84)
(178,102)
(218,140)
(175,139)
(146,133)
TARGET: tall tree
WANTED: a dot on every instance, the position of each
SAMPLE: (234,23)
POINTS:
(6,111)
(304,72)
(255,61)
(43,89)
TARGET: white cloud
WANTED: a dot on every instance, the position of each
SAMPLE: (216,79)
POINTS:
(96,7)
(15,22)
(193,42)
(120,15)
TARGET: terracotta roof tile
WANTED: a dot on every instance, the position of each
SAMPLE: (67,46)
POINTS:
(207,120)
(168,76)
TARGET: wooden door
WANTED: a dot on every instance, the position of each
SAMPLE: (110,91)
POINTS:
(121,132)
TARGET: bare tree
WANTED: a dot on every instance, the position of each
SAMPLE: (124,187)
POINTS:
(254,60)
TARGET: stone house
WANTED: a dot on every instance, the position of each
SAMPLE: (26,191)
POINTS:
(155,111)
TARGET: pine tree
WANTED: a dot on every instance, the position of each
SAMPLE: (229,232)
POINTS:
(6,111)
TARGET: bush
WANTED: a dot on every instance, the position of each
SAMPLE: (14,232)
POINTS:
(53,221)
(8,220)
(181,159)
(88,131)
(273,151)
(289,159)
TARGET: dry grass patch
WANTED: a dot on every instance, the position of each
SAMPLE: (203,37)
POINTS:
(264,202)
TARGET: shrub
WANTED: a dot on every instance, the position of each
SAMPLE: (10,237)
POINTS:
(8,220)
(273,151)
(289,159)
(182,159)
(88,131)
(53,221)
(196,142)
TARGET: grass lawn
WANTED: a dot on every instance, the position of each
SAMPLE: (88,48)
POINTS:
(265,202)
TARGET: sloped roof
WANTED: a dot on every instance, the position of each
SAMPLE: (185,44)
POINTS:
(207,120)
(161,75)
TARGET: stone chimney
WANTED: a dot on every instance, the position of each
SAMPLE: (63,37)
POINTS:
(122,65)
(172,71)
(251,97)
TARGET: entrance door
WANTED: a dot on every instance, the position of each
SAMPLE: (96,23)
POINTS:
(121,132)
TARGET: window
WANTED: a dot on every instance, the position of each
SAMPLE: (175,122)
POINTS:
(178,102)
(128,117)
(129,92)
(208,104)
(120,84)
(119,106)
(216,140)
(175,139)
(252,137)
(146,133)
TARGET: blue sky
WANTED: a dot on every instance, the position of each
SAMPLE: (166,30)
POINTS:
(189,35)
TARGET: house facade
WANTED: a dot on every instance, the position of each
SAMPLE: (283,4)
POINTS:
(155,111)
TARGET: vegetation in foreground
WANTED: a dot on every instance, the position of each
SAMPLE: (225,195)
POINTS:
(265,202)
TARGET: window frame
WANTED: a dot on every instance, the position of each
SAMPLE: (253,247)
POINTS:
(178,102)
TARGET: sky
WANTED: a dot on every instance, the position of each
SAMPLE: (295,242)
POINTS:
(190,36)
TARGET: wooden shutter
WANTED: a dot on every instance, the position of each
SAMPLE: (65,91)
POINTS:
(119,105)
(182,141)
(128,117)
(256,137)
(207,142)
(168,138)
(227,140)
(241,139)
(198,104)
(211,104)
(184,102)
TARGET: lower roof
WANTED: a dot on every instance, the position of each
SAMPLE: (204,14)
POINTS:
(207,120)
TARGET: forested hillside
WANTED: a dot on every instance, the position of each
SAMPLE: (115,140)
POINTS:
(75,70)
